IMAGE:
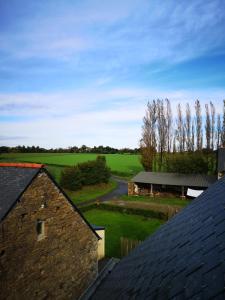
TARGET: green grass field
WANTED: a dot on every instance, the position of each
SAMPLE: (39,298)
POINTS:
(122,164)
(158,200)
(121,225)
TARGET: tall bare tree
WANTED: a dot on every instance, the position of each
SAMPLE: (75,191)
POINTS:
(169,120)
(218,130)
(193,136)
(162,130)
(223,127)
(207,127)
(174,144)
(198,114)
(179,130)
(213,112)
(188,127)
(148,140)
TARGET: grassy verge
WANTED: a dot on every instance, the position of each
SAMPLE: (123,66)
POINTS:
(55,171)
(157,200)
(121,225)
(91,192)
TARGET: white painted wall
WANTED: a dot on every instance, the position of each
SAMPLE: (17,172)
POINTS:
(101,243)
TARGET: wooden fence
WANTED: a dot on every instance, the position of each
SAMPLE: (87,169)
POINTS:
(126,245)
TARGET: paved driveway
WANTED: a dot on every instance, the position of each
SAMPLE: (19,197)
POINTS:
(119,191)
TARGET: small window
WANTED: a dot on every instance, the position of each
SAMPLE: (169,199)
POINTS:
(40,228)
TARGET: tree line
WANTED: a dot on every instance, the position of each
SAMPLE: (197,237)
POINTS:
(186,133)
(73,149)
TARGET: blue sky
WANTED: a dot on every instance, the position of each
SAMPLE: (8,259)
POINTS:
(81,72)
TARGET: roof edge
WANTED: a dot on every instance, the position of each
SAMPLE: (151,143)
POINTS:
(71,202)
(22,165)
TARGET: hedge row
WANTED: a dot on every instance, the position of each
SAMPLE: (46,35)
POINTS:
(131,211)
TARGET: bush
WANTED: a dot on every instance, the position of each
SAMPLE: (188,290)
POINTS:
(87,173)
(71,178)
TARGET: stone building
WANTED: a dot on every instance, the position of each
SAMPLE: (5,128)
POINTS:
(47,248)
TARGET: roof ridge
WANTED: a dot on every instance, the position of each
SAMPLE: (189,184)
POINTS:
(22,165)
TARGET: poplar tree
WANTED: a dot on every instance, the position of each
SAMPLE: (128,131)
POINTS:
(193,136)
(212,111)
(148,140)
(223,126)
(179,131)
(169,120)
(207,127)
(218,129)
(188,127)
(198,125)
(161,125)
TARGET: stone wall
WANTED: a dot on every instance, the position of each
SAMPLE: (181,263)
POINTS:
(59,266)
(135,189)
(131,188)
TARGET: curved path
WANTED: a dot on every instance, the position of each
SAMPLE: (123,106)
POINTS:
(120,190)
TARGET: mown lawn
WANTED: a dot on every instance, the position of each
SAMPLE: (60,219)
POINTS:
(158,200)
(125,165)
(121,225)
(91,192)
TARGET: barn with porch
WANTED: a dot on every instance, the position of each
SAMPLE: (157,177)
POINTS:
(155,183)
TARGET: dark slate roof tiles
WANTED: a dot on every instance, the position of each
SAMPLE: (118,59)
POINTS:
(184,259)
(13,181)
(191,180)
(221,159)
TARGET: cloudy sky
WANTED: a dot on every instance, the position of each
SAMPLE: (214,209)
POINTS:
(81,72)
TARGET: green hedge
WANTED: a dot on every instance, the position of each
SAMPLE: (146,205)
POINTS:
(131,211)
(86,173)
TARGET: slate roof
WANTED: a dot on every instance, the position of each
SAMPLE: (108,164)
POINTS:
(221,160)
(96,227)
(191,180)
(13,181)
(184,259)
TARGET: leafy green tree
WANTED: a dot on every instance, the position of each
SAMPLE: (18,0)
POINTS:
(87,173)
(195,163)
(71,178)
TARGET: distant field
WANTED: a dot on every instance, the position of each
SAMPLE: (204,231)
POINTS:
(121,164)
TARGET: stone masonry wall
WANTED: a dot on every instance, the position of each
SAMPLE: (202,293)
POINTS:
(131,189)
(61,265)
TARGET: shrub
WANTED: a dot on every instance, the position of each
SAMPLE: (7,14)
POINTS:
(87,173)
(71,178)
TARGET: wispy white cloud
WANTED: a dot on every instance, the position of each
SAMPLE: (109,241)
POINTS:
(81,60)
(123,33)
(81,117)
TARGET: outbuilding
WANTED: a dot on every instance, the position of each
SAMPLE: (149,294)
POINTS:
(152,183)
